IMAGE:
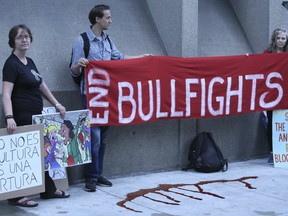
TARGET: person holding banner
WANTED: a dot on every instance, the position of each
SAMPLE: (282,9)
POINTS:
(22,91)
(101,48)
(278,44)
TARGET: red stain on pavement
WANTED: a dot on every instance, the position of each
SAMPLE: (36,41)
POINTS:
(172,201)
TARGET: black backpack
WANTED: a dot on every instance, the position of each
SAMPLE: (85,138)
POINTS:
(86,48)
(205,155)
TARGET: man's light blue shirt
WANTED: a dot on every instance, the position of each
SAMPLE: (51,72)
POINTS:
(101,48)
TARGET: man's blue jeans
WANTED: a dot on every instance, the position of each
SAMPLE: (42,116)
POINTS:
(94,169)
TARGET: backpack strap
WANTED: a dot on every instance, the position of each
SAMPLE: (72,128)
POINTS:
(200,139)
(197,143)
(86,46)
(225,167)
(109,41)
(224,161)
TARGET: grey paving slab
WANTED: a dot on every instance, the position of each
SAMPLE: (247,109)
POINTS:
(247,188)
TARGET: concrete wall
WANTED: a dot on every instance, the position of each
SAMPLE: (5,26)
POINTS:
(278,16)
(162,27)
(177,25)
(56,24)
(258,19)
(254,18)
(220,32)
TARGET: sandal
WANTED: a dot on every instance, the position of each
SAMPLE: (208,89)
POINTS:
(62,195)
(24,202)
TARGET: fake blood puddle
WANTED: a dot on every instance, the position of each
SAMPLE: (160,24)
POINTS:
(172,201)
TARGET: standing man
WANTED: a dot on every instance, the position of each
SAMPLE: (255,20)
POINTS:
(101,48)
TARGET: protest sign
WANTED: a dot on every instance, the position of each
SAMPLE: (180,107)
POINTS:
(59,175)
(21,162)
(280,138)
(67,142)
(153,88)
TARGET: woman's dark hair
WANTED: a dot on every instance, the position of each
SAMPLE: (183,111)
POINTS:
(71,128)
(13,33)
(97,11)
(83,120)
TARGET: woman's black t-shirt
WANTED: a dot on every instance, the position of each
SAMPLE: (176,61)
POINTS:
(26,95)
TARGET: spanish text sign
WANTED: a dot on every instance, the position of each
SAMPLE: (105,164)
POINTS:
(21,162)
(280,138)
(152,88)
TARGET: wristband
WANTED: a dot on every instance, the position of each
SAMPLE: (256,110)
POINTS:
(8,117)
(58,104)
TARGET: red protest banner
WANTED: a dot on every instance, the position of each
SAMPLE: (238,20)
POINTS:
(152,88)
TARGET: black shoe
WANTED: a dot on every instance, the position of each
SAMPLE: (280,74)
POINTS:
(101,181)
(90,185)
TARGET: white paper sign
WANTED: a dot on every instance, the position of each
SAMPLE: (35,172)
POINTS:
(280,138)
(21,160)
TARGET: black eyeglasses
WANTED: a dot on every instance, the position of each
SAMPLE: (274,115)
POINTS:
(21,37)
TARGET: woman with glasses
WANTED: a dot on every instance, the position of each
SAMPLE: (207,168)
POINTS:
(22,91)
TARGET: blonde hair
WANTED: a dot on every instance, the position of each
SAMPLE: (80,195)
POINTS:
(50,128)
(272,47)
